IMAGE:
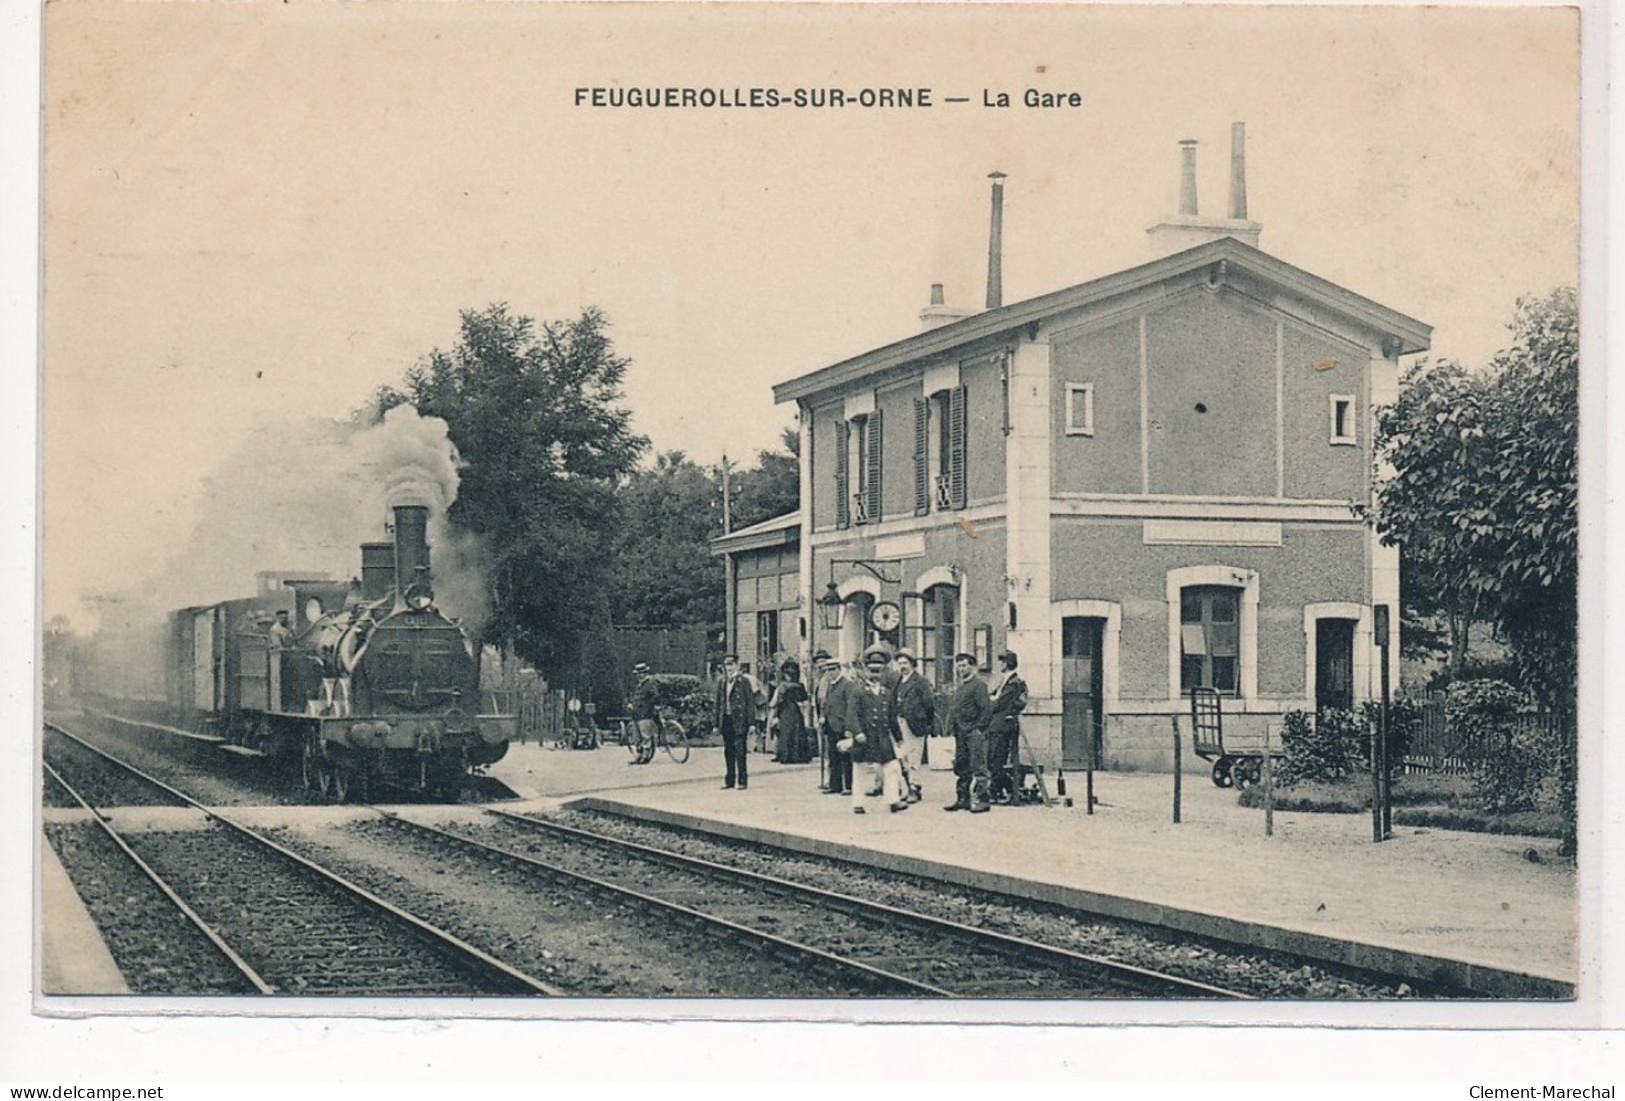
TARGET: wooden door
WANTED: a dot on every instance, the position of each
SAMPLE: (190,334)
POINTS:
(1082,703)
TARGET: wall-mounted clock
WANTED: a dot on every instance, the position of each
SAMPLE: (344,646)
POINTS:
(886,616)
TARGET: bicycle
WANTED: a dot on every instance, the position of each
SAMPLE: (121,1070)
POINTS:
(669,735)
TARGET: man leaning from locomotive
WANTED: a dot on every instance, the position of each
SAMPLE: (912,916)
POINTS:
(869,726)
(969,710)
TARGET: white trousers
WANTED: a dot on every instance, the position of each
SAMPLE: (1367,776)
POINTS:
(863,776)
(908,752)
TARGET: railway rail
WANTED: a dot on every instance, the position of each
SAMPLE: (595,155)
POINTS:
(883,949)
(287,924)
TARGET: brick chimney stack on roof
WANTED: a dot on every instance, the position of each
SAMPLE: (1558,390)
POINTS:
(939,313)
(995,245)
(1187,178)
(1188,228)
(1238,171)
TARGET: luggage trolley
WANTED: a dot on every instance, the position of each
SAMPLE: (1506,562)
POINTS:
(1239,766)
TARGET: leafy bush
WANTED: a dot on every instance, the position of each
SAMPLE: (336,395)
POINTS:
(1318,747)
(1404,720)
(1513,759)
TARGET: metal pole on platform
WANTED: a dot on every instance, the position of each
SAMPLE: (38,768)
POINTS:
(1387,764)
(1269,786)
(1174,721)
(1379,627)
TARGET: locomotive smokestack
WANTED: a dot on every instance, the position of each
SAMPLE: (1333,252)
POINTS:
(377,570)
(411,546)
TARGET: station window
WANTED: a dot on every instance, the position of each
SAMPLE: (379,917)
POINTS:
(1210,638)
(1080,409)
(939,451)
(1343,419)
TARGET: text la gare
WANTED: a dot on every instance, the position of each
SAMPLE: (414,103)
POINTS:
(1032,97)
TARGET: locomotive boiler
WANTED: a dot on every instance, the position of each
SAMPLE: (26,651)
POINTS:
(364,685)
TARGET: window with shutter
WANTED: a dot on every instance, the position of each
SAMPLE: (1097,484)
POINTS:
(843,515)
(872,434)
(956,447)
(922,456)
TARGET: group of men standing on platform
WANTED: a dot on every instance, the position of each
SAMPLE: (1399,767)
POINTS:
(876,713)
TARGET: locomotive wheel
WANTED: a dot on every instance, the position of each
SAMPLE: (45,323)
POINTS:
(1221,772)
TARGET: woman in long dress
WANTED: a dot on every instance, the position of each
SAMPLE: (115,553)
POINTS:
(789,699)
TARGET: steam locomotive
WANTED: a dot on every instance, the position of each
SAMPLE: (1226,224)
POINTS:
(362,685)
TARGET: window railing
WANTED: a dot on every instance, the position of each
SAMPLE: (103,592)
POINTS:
(860,508)
(944,492)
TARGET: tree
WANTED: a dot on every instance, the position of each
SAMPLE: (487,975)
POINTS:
(1532,489)
(1482,498)
(1434,438)
(665,574)
(773,487)
(535,416)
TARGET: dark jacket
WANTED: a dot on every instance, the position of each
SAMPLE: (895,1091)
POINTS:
(1007,704)
(969,709)
(837,702)
(870,714)
(912,699)
(736,701)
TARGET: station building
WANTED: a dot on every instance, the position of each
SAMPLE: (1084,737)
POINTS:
(1143,483)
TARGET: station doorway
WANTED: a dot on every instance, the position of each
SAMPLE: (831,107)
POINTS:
(1083,721)
(1334,664)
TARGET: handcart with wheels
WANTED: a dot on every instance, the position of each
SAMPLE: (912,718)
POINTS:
(577,728)
(1240,763)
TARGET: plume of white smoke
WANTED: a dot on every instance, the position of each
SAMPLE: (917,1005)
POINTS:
(303,495)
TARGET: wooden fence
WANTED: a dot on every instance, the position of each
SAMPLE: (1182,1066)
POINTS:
(1439,747)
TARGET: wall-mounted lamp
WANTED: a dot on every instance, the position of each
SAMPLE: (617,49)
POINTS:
(831,607)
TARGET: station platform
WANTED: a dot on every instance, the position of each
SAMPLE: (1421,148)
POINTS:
(1469,908)
(74,959)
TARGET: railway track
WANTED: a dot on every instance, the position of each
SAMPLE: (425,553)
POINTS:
(878,949)
(284,923)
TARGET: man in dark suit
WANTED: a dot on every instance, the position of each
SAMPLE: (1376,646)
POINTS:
(838,697)
(1003,729)
(915,706)
(969,710)
(735,716)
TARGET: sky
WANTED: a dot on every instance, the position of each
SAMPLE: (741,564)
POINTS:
(256,213)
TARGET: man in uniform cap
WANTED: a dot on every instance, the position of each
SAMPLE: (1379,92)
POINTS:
(869,726)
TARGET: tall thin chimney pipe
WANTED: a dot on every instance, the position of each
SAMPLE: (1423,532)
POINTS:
(1238,171)
(1187,177)
(995,245)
